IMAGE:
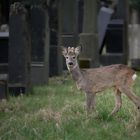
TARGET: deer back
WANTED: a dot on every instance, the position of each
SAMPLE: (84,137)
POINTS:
(98,79)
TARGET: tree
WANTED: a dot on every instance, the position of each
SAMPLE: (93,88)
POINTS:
(135,4)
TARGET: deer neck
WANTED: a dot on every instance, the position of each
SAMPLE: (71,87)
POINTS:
(76,74)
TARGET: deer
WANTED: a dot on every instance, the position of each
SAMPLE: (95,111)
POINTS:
(94,80)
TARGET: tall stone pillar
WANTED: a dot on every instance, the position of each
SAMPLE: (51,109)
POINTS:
(89,35)
(68,23)
(19,50)
(40,44)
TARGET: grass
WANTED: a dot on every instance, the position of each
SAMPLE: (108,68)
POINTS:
(56,112)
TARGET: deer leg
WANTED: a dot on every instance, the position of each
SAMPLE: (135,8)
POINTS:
(118,102)
(90,101)
(131,96)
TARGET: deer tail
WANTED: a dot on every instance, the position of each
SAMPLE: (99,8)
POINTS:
(134,76)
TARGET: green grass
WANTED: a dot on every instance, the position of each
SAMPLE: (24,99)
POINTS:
(56,112)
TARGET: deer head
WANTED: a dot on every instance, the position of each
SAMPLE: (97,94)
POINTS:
(71,55)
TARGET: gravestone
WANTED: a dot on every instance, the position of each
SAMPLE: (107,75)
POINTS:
(104,17)
(68,25)
(40,45)
(115,38)
(89,35)
(68,22)
(19,50)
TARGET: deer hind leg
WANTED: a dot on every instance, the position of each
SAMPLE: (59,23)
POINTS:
(129,93)
(118,102)
(90,101)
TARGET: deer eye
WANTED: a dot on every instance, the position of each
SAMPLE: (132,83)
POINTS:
(66,57)
(73,57)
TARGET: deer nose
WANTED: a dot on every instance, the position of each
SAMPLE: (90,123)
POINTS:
(70,63)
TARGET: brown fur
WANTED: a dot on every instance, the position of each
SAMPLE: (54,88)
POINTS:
(92,81)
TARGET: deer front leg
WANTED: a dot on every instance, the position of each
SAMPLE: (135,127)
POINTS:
(118,102)
(90,101)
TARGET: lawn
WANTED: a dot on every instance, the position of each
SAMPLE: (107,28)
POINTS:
(57,112)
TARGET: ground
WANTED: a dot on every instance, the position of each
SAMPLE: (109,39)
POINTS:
(56,112)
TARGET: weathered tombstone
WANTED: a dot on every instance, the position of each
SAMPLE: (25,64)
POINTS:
(115,36)
(19,50)
(54,65)
(116,40)
(68,25)
(89,35)
(40,45)
(68,22)
(104,17)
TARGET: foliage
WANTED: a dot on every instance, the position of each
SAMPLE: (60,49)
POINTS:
(56,112)
(135,4)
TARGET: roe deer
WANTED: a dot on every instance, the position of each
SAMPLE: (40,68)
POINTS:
(92,81)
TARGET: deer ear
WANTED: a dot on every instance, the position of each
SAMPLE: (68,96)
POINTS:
(78,50)
(64,51)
